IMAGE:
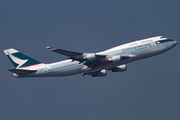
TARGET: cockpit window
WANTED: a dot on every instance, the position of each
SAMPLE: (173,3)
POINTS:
(163,41)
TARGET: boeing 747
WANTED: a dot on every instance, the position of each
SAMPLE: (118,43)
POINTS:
(94,64)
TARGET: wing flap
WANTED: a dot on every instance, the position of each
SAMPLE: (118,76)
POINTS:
(21,71)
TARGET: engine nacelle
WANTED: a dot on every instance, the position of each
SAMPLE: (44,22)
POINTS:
(120,68)
(102,73)
(116,58)
(91,56)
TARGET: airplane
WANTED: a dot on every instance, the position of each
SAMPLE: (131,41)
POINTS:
(93,64)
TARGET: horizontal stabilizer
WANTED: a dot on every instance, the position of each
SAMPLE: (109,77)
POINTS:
(21,71)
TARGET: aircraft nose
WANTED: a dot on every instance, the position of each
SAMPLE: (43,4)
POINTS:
(175,43)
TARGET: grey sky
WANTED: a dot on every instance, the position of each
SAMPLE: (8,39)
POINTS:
(148,90)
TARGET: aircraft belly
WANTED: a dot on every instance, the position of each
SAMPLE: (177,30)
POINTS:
(106,66)
(67,71)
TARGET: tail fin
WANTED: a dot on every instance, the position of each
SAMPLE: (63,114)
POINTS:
(20,60)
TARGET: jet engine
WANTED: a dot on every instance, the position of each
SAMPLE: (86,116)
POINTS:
(120,68)
(102,73)
(116,58)
(91,56)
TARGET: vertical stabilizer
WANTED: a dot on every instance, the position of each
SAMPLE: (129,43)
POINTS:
(20,60)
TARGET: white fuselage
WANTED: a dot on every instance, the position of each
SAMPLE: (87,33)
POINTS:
(137,50)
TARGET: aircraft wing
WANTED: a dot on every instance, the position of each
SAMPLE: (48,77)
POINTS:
(64,52)
(90,59)
(81,57)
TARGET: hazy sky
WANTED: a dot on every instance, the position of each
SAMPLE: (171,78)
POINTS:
(149,90)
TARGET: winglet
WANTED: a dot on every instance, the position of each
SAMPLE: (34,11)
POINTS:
(49,48)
